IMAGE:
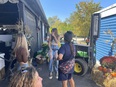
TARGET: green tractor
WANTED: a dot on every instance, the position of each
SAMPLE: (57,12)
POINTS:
(85,57)
(81,60)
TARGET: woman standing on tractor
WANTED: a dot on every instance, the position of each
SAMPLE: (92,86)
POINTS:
(53,43)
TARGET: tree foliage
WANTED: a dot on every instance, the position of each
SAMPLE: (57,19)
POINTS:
(52,20)
(79,21)
(62,27)
(81,18)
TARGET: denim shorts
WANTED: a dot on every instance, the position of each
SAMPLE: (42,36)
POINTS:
(63,77)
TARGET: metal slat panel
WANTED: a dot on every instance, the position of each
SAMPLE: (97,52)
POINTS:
(103,48)
(109,18)
(31,23)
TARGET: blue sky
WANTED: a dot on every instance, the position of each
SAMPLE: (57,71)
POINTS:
(63,8)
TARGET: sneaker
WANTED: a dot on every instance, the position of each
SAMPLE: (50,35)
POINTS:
(50,77)
(56,75)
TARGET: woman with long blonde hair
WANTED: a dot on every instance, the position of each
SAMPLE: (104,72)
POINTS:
(21,51)
(27,77)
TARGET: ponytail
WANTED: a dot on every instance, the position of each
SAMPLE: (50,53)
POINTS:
(72,48)
(67,38)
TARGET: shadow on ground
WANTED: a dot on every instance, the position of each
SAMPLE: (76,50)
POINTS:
(80,81)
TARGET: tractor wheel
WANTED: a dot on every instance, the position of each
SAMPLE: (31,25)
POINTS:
(80,67)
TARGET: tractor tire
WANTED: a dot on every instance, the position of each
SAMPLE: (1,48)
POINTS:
(81,67)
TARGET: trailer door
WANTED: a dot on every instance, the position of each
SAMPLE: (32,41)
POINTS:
(31,22)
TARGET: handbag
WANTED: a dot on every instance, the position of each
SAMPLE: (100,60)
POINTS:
(66,67)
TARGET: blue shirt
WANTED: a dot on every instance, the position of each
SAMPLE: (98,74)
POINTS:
(66,51)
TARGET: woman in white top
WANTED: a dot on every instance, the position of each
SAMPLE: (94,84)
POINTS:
(53,49)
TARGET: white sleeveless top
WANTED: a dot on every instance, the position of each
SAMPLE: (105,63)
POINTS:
(53,42)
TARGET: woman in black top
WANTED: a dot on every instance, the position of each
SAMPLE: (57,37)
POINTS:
(64,53)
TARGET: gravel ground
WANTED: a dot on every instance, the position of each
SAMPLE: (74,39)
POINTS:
(80,81)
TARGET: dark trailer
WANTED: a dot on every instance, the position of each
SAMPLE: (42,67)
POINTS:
(28,13)
(21,16)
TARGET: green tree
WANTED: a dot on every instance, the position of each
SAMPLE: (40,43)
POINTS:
(79,21)
(64,27)
(81,18)
(54,22)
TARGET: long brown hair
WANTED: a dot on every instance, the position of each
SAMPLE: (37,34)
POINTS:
(68,37)
(72,48)
(55,33)
(21,41)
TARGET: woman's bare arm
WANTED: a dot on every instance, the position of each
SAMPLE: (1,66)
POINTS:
(49,42)
(60,57)
(56,39)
